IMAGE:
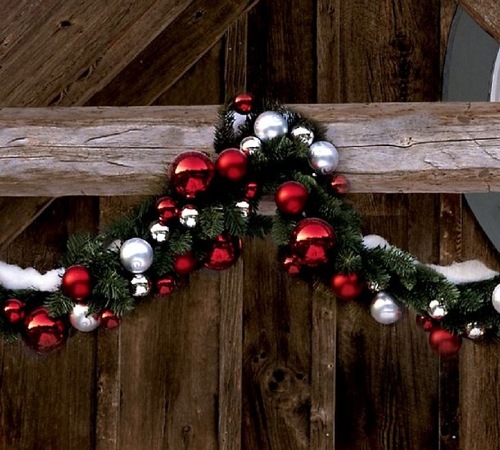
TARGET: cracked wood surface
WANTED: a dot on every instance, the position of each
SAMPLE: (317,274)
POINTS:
(413,147)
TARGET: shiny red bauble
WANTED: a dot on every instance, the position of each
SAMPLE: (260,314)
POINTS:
(165,285)
(13,310)
(109,320)
(232,164)
(291,265)
(251,190)
(311,241)
(167,209)
(443,342)
(291,197)
(425,322)
(339,184)
(347,286)
(77,282)
(191,173)
(185,264)
(43,333)
(243,103)
(223,252)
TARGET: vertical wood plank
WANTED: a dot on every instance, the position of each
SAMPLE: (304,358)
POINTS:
(48,402)
(479,363)
(235,62)
(158,376)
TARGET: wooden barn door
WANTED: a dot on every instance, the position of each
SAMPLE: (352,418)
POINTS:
(246,358)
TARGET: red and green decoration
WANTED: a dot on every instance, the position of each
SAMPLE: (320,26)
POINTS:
(262,149)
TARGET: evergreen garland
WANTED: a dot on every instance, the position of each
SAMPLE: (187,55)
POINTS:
(284,158)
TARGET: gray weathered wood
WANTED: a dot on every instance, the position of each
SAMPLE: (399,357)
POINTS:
(439,147)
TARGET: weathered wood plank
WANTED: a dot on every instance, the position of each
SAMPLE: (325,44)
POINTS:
(157,68)
(436,147)
(486,13)
(17,216)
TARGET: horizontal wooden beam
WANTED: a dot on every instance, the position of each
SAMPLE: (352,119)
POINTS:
(410,147)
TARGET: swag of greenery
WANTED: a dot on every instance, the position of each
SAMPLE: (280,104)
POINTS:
(263,149)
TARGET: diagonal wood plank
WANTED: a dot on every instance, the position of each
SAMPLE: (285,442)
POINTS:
(486,13)
(194,32)
(59,52)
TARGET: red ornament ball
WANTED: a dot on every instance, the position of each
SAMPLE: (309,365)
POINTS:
(443,342)
(425,322)
(185,264)
(223,252)
(339,184)
(243,103)
(232,164)
(291,265)
(109,320)
(165,285)
(42,333)
(251,190)
(291,197)
(167,209)
(13,310)
(311,240)
(77,282)
(191,173)
(347,286)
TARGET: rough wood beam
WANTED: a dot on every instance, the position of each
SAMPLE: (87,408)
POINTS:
(486,13)
(173,52)
(411,147)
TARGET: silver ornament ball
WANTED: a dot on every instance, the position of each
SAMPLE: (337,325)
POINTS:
(82,320)
(437,310)
(159,232)
(303,134)
(244,208)
(140,285)
(495,298)
(270,125)
(136,255)
(323,157)
(474,331)
(189,216)
(250,145)
(238,121)
(384,309)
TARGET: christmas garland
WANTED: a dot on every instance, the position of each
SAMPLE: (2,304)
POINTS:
(263,148)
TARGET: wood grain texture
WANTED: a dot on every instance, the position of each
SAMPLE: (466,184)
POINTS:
(15,216)
(48,402)
(486,13)
(107,151)
(162,64)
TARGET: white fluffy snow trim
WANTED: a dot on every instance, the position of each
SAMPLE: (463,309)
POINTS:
(14,277)
(465,272)
(374,240)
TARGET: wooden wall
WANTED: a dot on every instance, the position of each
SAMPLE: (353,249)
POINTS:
(246,358)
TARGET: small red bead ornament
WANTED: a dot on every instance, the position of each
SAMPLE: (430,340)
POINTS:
(42,333)
(167,209)
(165,286)
(232,164)
(243,103)
(76,282)
(425,322)
(185,264)
(13,310)
(251,190)
(347,286)
(191,173)
(223,253)
(339,184)
(443,342)
(109,320)
(291,197)
(311,240)
(291,265)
